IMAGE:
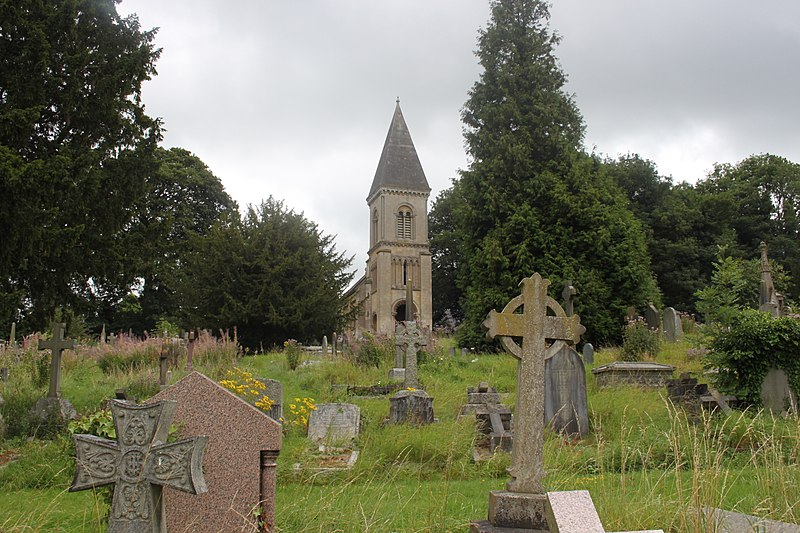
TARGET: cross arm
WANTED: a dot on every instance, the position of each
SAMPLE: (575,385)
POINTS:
(179,465)
(96,460)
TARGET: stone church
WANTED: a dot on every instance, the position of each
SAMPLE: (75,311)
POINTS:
(399,252)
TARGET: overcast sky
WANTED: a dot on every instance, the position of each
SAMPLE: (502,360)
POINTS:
(294,99)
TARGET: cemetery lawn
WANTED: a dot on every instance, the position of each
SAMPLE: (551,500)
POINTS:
(646,463)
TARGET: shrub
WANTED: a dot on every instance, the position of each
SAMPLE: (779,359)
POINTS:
(744,353)
(248,388)
(638,341)
(292,351)
(372,350)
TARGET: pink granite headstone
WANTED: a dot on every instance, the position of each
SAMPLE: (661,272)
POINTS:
(239,464)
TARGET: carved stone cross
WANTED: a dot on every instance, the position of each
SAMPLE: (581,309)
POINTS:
(535,327)
(140,464)
(409,338)
(57,344)
(568,294)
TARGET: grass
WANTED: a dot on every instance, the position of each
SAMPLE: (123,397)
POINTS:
(646,463)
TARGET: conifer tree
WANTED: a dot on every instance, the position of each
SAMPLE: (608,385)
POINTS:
(531,199)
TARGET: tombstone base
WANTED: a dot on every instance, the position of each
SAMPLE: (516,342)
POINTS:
(484,526)
(517,510)
(397,374)
(59,409)
(411,407)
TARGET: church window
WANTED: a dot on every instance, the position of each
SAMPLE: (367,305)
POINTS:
(404,223)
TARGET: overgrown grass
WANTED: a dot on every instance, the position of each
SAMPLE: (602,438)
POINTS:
(646,463)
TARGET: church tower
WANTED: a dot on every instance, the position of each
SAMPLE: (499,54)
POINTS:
(399,252)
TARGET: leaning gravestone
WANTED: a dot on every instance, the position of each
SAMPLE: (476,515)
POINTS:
(334,425)
(566,406)
(140,465)
(776,394)
(652,317)
(522,504)
(53,405)
(239,465)
(673,330)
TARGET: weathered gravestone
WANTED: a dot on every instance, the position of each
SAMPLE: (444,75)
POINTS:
(410,339)
(140,465)
(572,511)
(652,317)
(324,345)
(411,407)
(566,406)
(478,397)
(767,297)
(588,353)
(273,389)
(673,329)
(721,521)
(239,465)
(522,505)
(334,425)
(53,405)
(639,373)
(776,394)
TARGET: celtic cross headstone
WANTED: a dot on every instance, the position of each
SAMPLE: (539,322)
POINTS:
(57,344)
(410,339)
(140,463)
(536,328)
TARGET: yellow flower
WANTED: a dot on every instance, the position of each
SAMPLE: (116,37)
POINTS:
(292,406)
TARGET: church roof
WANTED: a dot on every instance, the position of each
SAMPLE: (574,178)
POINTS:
(399,166)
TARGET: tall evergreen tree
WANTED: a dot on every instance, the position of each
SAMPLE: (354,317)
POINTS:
(531,200)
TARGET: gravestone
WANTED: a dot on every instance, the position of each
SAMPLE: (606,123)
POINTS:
(239,465)
(631,314)
(568,295)
(163,366)
(410,339)
(411,407)
(572,511)
(494,422)
(273,389)
(652,317)
(673,329)
(522,504)
(776,394)
(478,397)
(398,372)
(334,425)
(324,345)
(588,353)
(721,521)
(140,465)
(103,335)
(767,297)
(53,405)
(566,406)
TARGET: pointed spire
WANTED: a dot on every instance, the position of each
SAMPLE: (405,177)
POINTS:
(399,166)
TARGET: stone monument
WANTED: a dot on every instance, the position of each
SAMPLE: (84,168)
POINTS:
(673,329)
(53,405)
(767,297)
(334,425)
(140,464)
(522,504)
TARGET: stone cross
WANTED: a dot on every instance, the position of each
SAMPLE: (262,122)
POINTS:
(139,464)
(568,294)
(57,344)
(190,351)
(767,298)
(536,328)
(409,338)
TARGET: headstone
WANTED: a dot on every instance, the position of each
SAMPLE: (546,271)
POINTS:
(334,425)
(652,317)
(411,407)
(631,314)
(522,504)
(767,297)
(588,353)
(140,465)
(568,295)
(334,342)
(776,394)
(410,339)
(324,345)
(464,352)
(638,373)
(673,329)
(12,339)
(721,521)
(477,397)
(103,335)
(566,406)
(239,464)
(273,389)
(190,351)
(53,405)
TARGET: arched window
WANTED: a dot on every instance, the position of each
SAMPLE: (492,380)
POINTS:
(404,223)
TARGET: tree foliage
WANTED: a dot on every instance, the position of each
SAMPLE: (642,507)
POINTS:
(531,200)
(271,273)
(75,146)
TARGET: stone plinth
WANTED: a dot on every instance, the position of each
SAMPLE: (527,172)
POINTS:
(512,512)
(411,407)
(239,464)
(642,374)
(57,410)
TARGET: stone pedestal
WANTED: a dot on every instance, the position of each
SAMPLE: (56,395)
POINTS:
(56,409)
(411,407)
(397,374)
(514,512)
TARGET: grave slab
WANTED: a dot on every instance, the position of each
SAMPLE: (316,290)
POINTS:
(642,374)
(334,425)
